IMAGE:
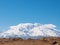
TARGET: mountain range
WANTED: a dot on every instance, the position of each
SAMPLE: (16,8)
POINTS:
(31,30)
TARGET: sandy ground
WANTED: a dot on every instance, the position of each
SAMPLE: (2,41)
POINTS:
(41,41)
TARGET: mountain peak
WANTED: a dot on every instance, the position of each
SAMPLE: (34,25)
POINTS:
(30,30)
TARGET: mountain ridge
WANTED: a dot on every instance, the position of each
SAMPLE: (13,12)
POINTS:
(30,30)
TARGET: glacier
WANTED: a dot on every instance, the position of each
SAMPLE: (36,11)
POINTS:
(31,30)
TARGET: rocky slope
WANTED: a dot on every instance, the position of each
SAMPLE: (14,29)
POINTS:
(41,41)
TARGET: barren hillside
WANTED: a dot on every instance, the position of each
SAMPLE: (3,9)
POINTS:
(19,41)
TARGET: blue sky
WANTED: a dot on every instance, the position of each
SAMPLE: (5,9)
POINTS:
(13,12)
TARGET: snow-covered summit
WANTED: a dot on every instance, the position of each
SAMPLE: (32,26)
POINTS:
(29,30)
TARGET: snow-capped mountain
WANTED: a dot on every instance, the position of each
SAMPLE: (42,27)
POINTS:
(30,30)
